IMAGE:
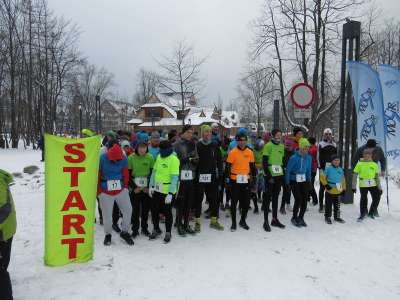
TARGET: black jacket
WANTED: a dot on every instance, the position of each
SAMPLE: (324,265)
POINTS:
(325,152)
(210,161)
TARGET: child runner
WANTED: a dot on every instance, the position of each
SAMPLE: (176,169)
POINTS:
(367,171)
(334,183)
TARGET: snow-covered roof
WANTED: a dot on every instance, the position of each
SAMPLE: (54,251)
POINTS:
(135,121)
(122,106)
(230,118)
(198,118)
(163,105)
(163,122)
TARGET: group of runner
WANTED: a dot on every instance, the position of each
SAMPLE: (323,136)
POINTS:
(145,174)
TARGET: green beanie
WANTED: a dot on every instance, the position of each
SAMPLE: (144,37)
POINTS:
(204,128)
(111,134)
(87,132)
(303,143)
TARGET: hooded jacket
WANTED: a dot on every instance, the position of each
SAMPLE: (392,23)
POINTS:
(298,164)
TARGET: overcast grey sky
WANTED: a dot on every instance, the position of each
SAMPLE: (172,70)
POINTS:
(125,35)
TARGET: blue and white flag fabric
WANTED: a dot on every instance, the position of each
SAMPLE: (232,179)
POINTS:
(390,82)
(368,98)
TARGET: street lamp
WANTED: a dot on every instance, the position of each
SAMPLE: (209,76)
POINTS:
(97,113)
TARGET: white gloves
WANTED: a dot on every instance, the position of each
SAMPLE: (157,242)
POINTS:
(151,191)
(168,199)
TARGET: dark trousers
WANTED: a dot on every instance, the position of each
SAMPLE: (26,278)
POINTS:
(300,192)
(159,206)
(5,281)
(313,193)
(140,209)
(211,192)
(332,200)
(286,193)
(241,195)
(221,192)
(184,200)
(375,194)
(272,195)
(321,195)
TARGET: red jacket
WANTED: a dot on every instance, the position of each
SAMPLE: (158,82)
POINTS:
(314,162)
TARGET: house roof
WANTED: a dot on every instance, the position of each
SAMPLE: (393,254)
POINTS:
(135,121)
(163,105)
(120,106)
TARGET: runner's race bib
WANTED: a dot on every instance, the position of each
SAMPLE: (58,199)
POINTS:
(114,185)
(159,187)
(242,179)
(141,182)
(339,187)
(186,175)
(276,169)
(328,165)
(205,178)
(369,182)
(300,177)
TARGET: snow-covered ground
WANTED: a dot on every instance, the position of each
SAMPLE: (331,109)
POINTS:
(349,261)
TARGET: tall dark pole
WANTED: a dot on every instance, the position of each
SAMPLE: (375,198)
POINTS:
(100,121)
(276,114)
(348,118)
(97,113)
(80,119)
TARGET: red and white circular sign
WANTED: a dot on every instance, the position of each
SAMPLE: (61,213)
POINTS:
(302,95)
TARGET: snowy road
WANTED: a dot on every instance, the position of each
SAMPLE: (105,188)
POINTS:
(349,261)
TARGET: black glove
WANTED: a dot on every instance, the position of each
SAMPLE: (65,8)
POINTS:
(380,192)
(354,190)
(328,187)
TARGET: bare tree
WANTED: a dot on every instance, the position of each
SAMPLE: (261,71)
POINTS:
(299,40)
(148,84)
(256,92)
(181,72)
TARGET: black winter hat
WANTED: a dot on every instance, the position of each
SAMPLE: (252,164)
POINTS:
(371,143)
(334,156)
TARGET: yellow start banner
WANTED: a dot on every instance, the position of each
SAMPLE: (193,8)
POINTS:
(71,176)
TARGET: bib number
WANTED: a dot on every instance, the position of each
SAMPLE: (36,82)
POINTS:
(186,175)
(205,178)
(339,187)
(242,179)
(369,182)
(300,177)
(328,164)
(159,187)
(114,185)
(276,169)
(141,182)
